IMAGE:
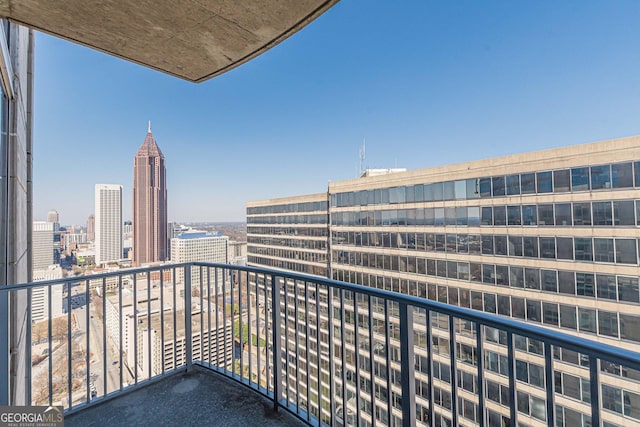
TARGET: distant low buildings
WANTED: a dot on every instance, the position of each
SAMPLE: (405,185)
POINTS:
(40,295)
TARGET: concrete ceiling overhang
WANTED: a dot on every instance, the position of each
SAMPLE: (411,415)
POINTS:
(191,39)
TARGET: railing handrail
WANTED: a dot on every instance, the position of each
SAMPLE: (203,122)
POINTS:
(582,345)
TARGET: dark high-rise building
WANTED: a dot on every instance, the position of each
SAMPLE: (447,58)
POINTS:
(149,203)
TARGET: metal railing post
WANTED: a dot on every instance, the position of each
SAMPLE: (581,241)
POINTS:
(277,334)
(187,316)
(407,373)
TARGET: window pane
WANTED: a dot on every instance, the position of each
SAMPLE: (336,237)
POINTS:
(600,177)
(549,280)
(530,247)
(603,250)
(516,277)
(517,307)
(487,215)
(460,188)
(622,175)
(547,247)
(602,213)
(473,216)
(581,214)
(449,191)
(628,289)
(624,212)
(564,247)
(513,215)
(487,245)
(515,245)
(607,288)
(500,245)
(532,278)
(502,275)
(550,313)
(530,215)
(568,317)
(585,284)
(488,275)
(436,191)
(473,188)
(485,187)
(513,184)
(583,249)
(566,282)
(579,179)
(587,320)
(528,183)
(608,323)
(561,180)
(545,215)
(629,327)
(499,215)
(498,185)
(631,404)
(626,251)
(612,398)
(474,244)
(544,181)
(636,173)
(563,213)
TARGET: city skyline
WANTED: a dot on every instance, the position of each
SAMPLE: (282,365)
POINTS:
(424,84)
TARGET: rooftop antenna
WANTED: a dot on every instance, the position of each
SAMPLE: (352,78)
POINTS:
(362,156)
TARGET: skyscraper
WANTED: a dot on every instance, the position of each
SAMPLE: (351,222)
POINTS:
(42,244)
(108,222)
(53,216)
(149,203)
(91,228)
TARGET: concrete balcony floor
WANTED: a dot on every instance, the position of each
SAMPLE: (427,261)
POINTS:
(198,397)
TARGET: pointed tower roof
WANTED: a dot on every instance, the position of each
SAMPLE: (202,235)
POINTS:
(149,147)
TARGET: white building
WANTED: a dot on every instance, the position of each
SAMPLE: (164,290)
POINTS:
(42,245)
(40,295)
(108,223)
(200,246)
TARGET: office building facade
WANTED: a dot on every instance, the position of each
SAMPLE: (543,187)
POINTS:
(549,238)
(108,223)
(149,203)
(200,246)
(42,244)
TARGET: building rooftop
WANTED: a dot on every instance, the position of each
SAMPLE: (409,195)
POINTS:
(198,397)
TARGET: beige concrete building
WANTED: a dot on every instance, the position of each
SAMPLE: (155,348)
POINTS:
(549,238)
(149,203)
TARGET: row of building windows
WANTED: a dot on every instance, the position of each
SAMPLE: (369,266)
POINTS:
(291,207)
(289,243)
(289,254)
(602,322)
(288,265)
(600,286)
(601,177)
(606,250)
(621,213)
(289,219)
(288,231)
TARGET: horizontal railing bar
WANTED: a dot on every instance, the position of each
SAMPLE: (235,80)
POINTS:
(602,351)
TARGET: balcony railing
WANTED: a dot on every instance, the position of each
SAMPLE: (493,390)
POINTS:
(332,353)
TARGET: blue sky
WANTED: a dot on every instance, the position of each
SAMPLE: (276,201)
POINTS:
(425,83)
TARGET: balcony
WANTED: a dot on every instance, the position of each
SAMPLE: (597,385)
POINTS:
(191,340)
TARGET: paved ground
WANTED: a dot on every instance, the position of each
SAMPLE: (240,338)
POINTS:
(197,398)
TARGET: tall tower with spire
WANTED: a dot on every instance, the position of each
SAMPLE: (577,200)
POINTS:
(149,203)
